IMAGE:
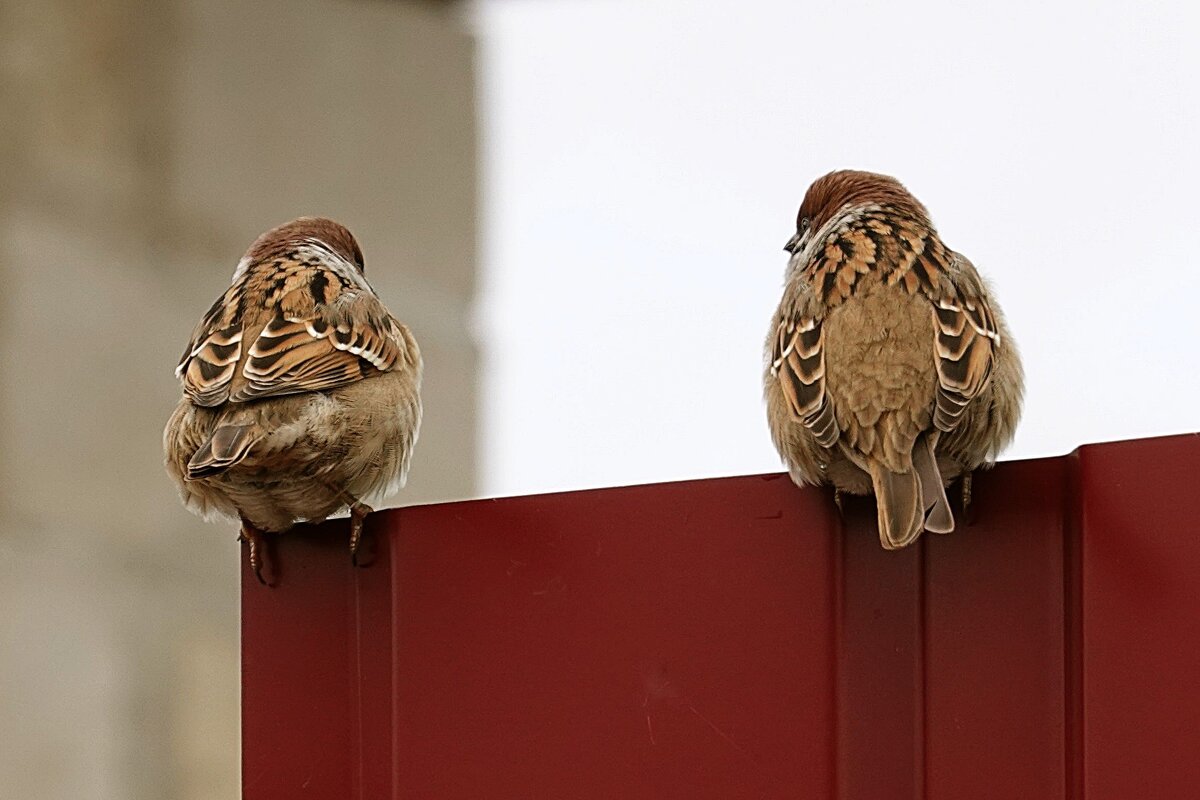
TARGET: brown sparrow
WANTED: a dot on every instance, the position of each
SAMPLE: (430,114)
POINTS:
(888,364)
(301,393)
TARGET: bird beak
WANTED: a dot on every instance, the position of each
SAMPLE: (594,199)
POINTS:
(793,243)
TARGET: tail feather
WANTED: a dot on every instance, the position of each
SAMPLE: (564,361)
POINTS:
(899,499)
(939,518)
(227,445)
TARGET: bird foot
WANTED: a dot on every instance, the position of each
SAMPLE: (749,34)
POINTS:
(965,489)
(358,515)
(838,501)
(256,540)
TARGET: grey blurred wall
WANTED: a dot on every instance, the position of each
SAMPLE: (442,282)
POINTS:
(143,145)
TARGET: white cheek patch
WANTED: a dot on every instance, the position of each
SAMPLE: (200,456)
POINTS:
(240,269)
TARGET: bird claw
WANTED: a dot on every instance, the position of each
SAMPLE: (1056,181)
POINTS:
(358,515)
(254,538)
(965,490)
(838,501)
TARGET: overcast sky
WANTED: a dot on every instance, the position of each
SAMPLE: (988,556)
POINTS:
(642,166)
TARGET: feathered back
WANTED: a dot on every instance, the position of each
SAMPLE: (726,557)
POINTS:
(855,224)
(299,317)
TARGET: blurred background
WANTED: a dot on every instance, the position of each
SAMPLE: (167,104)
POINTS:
(579,207)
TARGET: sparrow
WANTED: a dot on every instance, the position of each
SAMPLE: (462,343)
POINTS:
(888,365)
(301,392)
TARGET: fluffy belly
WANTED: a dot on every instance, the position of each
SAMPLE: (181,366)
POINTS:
(319,453)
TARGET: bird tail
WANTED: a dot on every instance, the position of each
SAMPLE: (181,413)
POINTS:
(938,516)
(227,445)
(898,497)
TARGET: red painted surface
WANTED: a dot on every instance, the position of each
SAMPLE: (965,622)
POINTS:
(735,638)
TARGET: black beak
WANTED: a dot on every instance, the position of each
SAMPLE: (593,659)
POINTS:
(792,243)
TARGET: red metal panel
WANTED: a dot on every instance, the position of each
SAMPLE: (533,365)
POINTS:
(880,663)
(1140,601)
(653,641)
(994,641)
(296,696)
(736,638)
(952,651)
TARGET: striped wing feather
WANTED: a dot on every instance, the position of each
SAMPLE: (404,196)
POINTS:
(329,348)
(313,334)
(965,335)
(798,363)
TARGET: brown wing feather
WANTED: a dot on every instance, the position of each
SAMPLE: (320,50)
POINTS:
(211,358)
(315,331)
(329,346)
(798,363)
(965,335)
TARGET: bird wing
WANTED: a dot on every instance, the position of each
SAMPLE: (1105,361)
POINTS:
(316,331)
(965,338)
(798,363)
(211,357)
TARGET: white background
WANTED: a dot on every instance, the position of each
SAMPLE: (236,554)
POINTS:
(643,162)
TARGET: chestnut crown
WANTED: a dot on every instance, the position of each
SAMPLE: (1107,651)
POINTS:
(298,231)
(830,193)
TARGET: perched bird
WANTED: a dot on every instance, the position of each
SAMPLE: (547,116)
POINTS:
(889,368)
(301,392)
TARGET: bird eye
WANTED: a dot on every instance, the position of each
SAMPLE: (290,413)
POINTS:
(803,224)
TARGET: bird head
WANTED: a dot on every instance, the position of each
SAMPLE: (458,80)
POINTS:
(306,231)
(833,193)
